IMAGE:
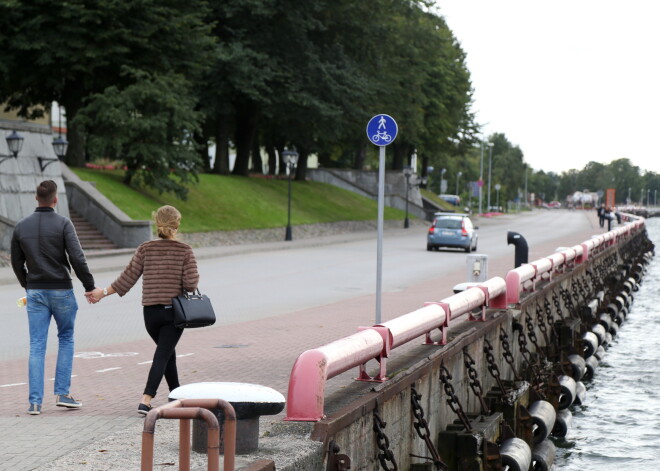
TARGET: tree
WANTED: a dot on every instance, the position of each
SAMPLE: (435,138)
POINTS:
(68,52)
(149,125)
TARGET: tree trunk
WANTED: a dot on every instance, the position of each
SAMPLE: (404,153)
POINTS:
(324,159)
(399,152)
(360,157)
(72,100)
(221,163)
(257,161)
(272,160)
(280,149)
(246,125)
(301,169)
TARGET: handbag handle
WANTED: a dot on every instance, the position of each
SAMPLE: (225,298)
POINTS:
(189,294)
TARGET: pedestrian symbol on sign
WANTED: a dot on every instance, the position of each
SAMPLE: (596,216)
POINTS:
(382,130)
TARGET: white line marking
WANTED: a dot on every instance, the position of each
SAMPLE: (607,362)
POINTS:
(9,385)
(145,362)
(109,369)
(184,355)
(53,379)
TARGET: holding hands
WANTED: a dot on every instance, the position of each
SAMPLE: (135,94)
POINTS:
(97,294)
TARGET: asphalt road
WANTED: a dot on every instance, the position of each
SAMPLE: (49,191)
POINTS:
(255,285)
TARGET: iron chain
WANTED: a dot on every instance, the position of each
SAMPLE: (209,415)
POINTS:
(452,399)
(474,383)
(422,428)
(383,443)
(508,357)
(492,366)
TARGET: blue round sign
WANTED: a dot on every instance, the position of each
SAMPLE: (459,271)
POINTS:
(382,130)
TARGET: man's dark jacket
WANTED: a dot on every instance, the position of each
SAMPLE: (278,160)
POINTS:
(48,245)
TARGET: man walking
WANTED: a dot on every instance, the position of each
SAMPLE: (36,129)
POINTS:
(44,247)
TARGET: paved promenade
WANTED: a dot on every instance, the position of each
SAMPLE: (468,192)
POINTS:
(105,434)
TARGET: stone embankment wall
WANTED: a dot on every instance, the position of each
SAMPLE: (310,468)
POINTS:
(493,394)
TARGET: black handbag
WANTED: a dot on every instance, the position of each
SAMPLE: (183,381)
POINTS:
(192,310)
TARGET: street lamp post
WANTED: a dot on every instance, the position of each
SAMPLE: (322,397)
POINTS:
(490,162)
(655,197)
(481,178)
(458,177)
(407,172)
(648,197)
(442,178)
(497,189)
(291,160)
(629,200)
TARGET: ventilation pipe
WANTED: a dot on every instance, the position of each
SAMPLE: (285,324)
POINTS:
(521,247)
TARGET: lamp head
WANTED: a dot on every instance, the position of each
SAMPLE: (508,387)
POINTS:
(14,143)
(59,146)
(290,157)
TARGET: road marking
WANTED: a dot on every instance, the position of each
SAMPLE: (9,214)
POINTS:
(92,355)
(53,379)
(9,385)
(184,355)
(145,362)
(109,369)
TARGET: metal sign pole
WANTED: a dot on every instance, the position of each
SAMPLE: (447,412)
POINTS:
(381,216)
(381,131)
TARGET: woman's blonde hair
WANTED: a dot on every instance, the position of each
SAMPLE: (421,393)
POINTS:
(167,219)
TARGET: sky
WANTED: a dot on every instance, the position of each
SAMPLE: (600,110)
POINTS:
(569,82)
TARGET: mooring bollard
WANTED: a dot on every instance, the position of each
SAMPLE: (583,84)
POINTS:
(250,401)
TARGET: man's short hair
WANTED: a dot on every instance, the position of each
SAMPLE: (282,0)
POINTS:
(46,192)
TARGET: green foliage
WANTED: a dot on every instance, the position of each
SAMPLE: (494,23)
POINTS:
(232,203)
(148,124)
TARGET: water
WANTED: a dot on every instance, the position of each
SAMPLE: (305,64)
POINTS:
(618,427)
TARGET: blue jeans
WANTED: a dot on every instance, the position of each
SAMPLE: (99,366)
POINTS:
(41,305)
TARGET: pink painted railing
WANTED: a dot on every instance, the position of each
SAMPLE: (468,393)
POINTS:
(314,367)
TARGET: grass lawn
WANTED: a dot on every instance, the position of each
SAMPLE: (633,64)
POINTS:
(231,203)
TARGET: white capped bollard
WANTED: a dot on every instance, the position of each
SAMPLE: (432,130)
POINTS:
(250,401)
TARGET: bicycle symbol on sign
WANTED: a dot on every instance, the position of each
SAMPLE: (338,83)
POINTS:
(381,135)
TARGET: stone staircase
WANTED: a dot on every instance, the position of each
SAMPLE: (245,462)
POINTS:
(90,237)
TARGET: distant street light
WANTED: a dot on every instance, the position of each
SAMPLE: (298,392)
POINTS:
(291,160)
(490,162)
(655,197)
(629,200)
(407,172)
(497,189)
(481,178)
(458,177)
(442,179)
(59,146)
(648,197)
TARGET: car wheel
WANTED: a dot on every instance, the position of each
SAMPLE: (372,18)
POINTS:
(429,247)
(468,248)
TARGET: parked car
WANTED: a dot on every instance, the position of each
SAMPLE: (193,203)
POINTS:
(451,199)
(452,230)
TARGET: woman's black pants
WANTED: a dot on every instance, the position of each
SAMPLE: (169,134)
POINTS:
(159,321)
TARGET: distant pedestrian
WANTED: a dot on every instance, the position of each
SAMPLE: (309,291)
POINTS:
(601,215)
(43,248)
(167,267)
(609,217)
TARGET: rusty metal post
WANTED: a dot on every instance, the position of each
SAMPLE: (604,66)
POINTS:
(187,409)
(184,445)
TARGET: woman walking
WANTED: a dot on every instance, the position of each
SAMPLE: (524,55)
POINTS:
(168,267)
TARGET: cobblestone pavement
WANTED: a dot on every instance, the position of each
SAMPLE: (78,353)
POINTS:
(105,433)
